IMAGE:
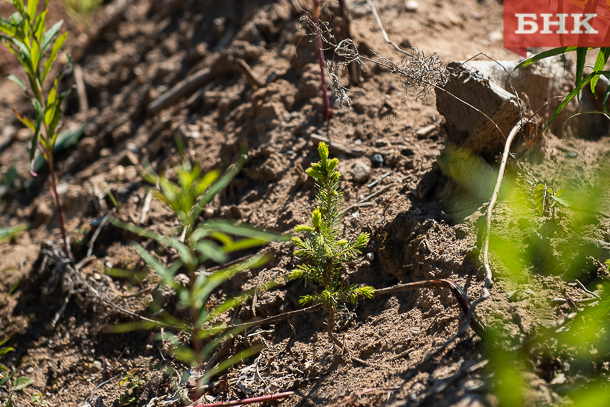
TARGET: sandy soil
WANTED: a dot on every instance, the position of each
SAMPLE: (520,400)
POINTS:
(134,53)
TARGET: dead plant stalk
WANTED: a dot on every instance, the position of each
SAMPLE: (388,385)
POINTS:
(320,52)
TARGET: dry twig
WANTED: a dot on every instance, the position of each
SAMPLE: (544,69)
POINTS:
(80,89)
(252,400)
(251,78)
(185,88)
(366,198)
(383,33)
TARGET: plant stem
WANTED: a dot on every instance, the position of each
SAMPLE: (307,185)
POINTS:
(195,341)
(60,215)
(316,21)
(330,325)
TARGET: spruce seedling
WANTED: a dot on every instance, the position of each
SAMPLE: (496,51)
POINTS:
(26,37)
(322,251)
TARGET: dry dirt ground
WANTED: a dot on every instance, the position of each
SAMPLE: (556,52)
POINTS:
(137,50)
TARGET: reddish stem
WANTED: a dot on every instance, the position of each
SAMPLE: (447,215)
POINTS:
(316,21)
(60,215)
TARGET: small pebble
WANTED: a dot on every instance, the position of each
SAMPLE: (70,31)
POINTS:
(572,154)
(357,142)
(62,188)
(377,160)
(425,131)
(8,133)
(370,256)
(360,171)
(96,367)
(411,6)
(133,147)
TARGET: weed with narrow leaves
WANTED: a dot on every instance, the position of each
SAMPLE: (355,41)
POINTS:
(581,81)
(196,243)
(10,384)
(26,37)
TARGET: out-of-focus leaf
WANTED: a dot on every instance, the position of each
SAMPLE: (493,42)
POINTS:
(10,232)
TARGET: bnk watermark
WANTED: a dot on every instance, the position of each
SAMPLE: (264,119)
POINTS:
(555,23)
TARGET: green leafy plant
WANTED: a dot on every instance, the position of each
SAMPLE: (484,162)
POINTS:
(322,251)
(83,10)
(197,243)
(132,383)
(36,49)
(8,181)
(581,81)
(10,384)
(10,232)
(37,399)
(571,349)
(546,197)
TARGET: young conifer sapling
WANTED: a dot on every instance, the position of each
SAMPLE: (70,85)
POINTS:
(322,251)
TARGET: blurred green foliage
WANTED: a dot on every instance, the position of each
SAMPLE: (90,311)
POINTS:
(196,244)
(540,245)
(83,10)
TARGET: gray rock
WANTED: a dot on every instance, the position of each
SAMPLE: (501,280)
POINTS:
(360,171)
(468,128)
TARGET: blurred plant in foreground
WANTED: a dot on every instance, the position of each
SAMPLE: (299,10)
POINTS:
(196,243)
(542,244)
(83,10)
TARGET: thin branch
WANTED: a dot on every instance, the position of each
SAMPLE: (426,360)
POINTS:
(494,197)
(253,400)
(95,235)
(320,52)
(276,318)
(383,33)
(366,198)
(456,290)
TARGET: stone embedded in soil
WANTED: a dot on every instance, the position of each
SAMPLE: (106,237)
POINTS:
(540,82)
(468,128)
(425,131)
(360,171)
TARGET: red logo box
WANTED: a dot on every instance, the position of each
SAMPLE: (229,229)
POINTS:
(556,23)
